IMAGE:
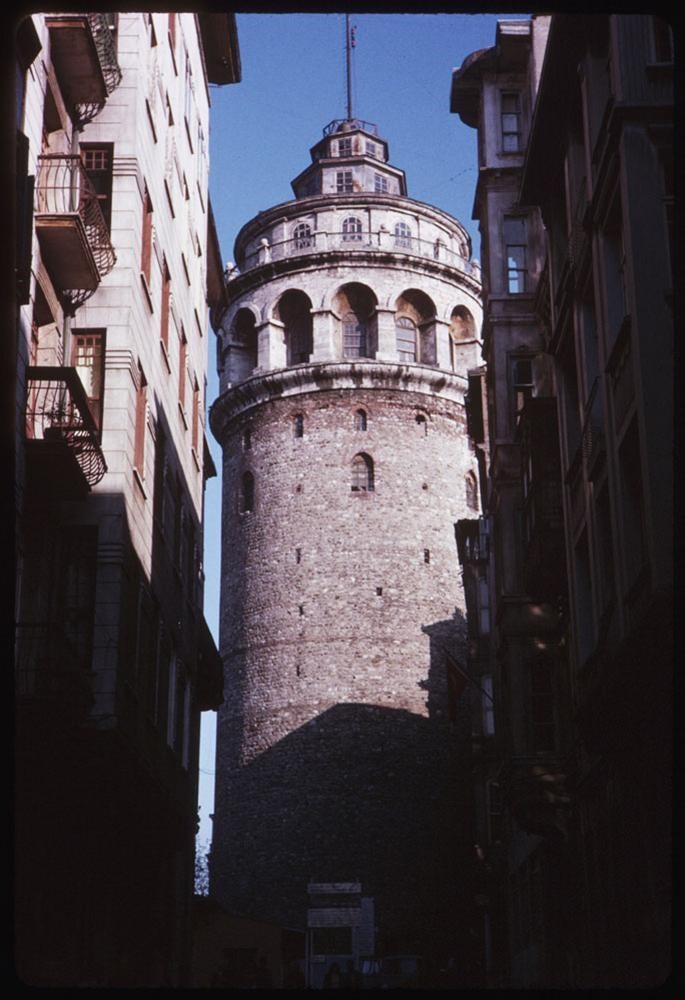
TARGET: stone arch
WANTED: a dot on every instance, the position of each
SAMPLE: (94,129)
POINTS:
(354,308)
(462,324)
(294,310)
(415,305)
(462,331)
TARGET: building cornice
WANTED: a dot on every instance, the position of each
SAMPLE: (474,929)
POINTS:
(333,376)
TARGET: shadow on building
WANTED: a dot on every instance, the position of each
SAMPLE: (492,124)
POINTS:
(361,793)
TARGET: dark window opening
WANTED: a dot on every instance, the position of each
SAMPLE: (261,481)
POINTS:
(298,425)
(362,474)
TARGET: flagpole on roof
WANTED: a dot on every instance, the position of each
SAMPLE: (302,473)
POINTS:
(349,42)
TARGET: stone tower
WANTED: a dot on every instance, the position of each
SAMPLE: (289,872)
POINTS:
(353,319)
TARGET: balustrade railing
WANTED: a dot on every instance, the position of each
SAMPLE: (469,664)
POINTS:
(64,188)
(57,410)
(379,241)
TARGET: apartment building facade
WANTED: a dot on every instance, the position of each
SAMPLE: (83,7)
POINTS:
(117,262)
(580,882)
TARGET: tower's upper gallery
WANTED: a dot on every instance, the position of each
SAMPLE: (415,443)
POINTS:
(351,199)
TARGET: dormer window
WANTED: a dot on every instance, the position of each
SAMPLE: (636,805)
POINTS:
(352,229)
(343,182)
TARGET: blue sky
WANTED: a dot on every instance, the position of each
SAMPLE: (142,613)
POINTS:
(293,84)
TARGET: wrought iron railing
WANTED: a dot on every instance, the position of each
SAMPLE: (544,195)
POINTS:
(380,241)
(101,33)
(48,667)
(64,188)
(57,410)
(104,45)
(354,123)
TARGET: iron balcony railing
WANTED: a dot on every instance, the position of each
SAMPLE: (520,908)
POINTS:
(104,45)
(379,241)
(57,410)
(64,188)
(48,667)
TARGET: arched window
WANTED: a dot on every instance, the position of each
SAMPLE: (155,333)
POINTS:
(362,474)
(360,420)
(247,493)
(422,423)
(354,336)
(471,491)
(402,235)
(298,425)
(352,229)
(302,235)
(405,333)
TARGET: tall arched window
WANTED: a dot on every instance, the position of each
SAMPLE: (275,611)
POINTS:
(352,229)
(302,235)
(247,493)
(402,235)
(360,420)
(354,336)
(362,474)
(405,334)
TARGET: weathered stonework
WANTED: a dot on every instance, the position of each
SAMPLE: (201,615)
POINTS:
(339,754)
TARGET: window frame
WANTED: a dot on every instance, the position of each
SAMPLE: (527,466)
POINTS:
(405,323)
(509,129)
(352,229)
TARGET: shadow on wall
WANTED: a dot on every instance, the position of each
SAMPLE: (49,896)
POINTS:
(360,792)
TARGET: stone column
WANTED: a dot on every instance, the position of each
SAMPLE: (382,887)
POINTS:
(323,336)
(271,345)
(442,341)
(387,344)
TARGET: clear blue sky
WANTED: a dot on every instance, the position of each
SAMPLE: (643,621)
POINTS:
(293,69)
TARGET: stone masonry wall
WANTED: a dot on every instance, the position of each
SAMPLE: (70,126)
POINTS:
(335,752)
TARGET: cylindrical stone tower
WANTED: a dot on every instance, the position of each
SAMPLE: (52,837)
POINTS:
(343,355)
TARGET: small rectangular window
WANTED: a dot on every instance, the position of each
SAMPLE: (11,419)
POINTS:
(426,555)
(515,243)
(88,357)
(146,241)
(343,182)
(141,421)
(164,313)
(511,122)
(345,147)
(380,183)
(97,162)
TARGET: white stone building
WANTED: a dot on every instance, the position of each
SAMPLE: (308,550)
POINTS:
(114,662)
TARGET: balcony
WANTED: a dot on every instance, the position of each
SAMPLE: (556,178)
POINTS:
(64,457)
(379,241)
(72,232)
(85,61)
(49,671)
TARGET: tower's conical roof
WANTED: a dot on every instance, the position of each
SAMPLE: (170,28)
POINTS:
(350,158)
